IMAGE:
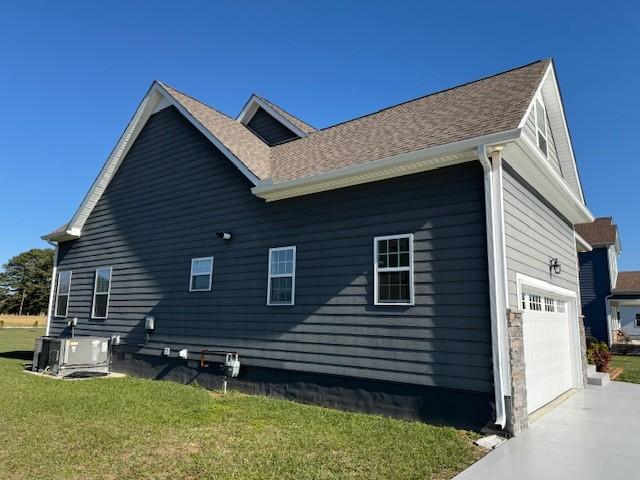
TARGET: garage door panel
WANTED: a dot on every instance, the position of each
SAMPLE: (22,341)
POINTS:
(547,348)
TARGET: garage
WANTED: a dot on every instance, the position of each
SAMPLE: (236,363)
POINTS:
(549,339)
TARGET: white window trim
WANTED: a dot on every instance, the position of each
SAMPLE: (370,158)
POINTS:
(377,269)
(545,132)
(95,285)
(281,275)
(68,294)
(208,289)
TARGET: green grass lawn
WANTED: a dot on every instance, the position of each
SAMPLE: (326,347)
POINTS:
(131,428)
(631,365)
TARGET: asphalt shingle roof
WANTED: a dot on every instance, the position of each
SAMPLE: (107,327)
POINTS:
(602,231)
(482,107)
(628,282)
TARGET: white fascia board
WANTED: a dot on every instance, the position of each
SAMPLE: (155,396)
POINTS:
(525,158)
(554,93)
(251,107)
(156,97)
(212,138)
(581,244)
(390,167)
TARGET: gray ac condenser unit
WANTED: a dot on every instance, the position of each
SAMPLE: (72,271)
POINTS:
(64,356)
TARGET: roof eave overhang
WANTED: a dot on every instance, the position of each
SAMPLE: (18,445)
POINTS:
(382,169)
(529,163)
(62,235)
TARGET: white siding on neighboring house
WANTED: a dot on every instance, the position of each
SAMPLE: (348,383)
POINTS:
(535,234)
(628,319)
(613,266)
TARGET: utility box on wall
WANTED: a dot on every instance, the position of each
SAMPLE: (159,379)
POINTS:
(64,356)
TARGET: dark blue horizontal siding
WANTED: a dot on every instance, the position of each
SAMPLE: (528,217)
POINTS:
(594,289)
(174,191)
(269,129)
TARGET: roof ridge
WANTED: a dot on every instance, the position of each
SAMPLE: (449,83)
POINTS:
(166,85)
(432,94)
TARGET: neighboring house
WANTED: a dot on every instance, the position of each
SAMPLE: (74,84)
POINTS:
(598,274)
(368,265)
(624,304)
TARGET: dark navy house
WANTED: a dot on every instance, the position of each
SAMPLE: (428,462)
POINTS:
(418,262)
(598,277)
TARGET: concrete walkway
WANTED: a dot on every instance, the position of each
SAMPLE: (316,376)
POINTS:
(592,435)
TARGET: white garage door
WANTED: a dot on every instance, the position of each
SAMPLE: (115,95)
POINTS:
(547,336)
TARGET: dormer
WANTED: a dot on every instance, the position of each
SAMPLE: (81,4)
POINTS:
(271,123)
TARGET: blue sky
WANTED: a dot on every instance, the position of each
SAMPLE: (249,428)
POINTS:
(74,72)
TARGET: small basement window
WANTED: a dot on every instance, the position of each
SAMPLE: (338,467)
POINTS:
(393,269)
(201,274)
(62,293)
(541,126)
(101,293)
(281,285)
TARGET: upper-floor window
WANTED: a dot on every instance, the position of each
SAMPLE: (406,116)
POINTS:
(541,125)
(62,293)
(393,270)
(101,292)
(201,274)
(281,285)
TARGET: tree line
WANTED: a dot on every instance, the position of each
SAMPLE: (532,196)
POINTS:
(25,282)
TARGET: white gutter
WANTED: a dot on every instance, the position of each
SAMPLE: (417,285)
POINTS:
(581,244)
(382,169)
(51,290)
(497,274)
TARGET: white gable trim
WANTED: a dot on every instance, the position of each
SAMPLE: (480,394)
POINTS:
(157,98)
(549,91)
(256,102)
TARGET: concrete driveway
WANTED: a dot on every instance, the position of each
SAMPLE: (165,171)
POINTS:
(593,435)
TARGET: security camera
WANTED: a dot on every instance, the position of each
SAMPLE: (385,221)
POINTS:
(224,235)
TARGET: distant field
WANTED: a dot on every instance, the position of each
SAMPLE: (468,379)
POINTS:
(23,320)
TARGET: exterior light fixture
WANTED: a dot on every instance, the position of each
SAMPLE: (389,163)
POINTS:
(555,267)
(224,235)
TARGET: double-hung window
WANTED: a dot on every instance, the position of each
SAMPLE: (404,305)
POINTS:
(62,293)
(101,293)
(393,270)
(541,126)
(201,274)
(281,286)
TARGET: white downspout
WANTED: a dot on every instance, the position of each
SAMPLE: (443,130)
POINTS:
(51,290)
(497,275)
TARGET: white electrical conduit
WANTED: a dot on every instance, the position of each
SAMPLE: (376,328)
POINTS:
(497,273)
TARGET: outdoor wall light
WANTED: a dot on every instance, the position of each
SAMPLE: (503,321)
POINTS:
(224,235)
(555,267)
